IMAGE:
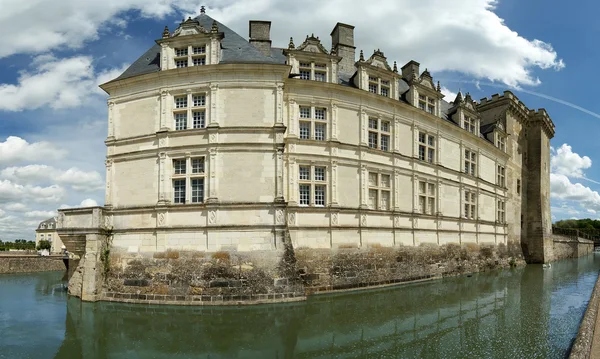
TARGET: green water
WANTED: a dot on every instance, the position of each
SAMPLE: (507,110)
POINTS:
(525,313)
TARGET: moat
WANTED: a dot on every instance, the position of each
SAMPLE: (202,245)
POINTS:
(530,312)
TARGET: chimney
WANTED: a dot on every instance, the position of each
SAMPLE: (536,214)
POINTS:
(342,41)
(410,70)
(260,36)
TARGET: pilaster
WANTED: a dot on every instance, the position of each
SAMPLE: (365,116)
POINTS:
(279,168)
(293,181)
(213,98)
(292,116)
(165,111)
(108,196)
(364,188)
(334,121)
(163,199)
(212,170)
(111,120)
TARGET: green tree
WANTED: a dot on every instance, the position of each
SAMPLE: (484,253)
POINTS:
(44,245)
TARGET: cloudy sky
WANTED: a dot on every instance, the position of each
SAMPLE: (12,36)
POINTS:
(53,54)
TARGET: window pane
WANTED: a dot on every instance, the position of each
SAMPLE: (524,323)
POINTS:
(431,189)
(372,179)
(179,191)
(373,123)
(304,194)
(319,195)
(431,206)
(304,112)
(373,139)
(385,126)
(385,142)
(421,137)
(179,167)
(319,76)
(385,91)
(422,186)
(199,49)
(305,173)
(198,119)
(199,61)
(305,64)
(180,121)
(181,63)
(466,211)
(181,102)
(199,100)
(305,130)
(385,200)
(305,74)
(430,155)
(422,204)
(430,140)
(181,51)
(373,88)
(373,198)
(385,181)
(422,152)
(320,130)
(198,165)
(198,190)
(320,114)
(319,173)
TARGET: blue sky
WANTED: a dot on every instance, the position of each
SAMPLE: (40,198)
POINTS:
(53,56)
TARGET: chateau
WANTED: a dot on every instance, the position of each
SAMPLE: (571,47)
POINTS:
(221,143)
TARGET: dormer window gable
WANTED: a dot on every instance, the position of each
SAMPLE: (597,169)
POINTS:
(422,93)
(190,45)
(465,114)
(376,76)
(311,61)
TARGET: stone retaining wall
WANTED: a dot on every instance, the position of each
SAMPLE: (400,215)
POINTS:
(222,278)
(582,346)
(25,264)
(566,247)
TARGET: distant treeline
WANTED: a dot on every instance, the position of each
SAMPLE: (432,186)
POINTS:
(578,223)
(19,244)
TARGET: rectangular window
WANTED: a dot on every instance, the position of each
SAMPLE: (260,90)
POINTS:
(179,191)
(518,186)
(373,139)
(313,118)
(199,61)
(320,129)
(469,124)
(320,76)
(501,211)
(385,91)
(501,142)
(373,88)
(199,50)
(198,165)
(198,119)
(181,63)
(181,102)
(305,74)
(426,197)
(379,191)
(426,147)
(179,167)
(315,185)
(470,162)
(180,121)
(304,194)
(199,100)
(181,51)
(197,190)
(379,137)
(470,205)
(304,130)
(501,175)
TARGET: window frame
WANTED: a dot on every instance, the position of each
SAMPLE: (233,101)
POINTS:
(427,103)
(501,211)
(316,126)
(470,164)
(469,204)
(193,107)
(427,195)
(190,57)
(380,189)
(470,124)
(379,86)
(427,148)
(379,134)
(314,68)
(194,169)
(501,175)
(317,188)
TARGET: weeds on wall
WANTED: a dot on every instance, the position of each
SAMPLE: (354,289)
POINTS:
(105,250)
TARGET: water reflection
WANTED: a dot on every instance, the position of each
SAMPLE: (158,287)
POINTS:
(524,313)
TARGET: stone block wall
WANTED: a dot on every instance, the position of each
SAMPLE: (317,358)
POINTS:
(566,247)
(26,264)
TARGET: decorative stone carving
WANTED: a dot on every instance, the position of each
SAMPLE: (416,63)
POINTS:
(292,147)
(334,218)
(212,216)
(396,221)
(363,219)
(108,221)
(161,219)
(213,137)
(279,216)
(291,218)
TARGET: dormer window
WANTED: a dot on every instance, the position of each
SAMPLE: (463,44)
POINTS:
(313,71)
(501,142)
(190,56)
(469,124)
(379,86)
(427,103)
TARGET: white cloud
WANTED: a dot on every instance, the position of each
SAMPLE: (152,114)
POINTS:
(88,202)
(467,37)
(16,149)
(58,83)
(16,207)
(79,180)
(65,23)
(591,211)
(449,95)
(442,35)
(2,213)
(40,214)
(562,188)
(11,192)
(565,162)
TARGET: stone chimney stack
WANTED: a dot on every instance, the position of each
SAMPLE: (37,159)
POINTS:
(260,36)
(342,41)
(410,70)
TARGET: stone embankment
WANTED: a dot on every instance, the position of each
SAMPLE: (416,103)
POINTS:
(22,263)
(222,278)
(587,342)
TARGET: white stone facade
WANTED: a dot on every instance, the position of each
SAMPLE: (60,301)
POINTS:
(267,148)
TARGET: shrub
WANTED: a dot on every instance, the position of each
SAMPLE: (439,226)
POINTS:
(487,252)
(221,256)
(172,254)
(44,244)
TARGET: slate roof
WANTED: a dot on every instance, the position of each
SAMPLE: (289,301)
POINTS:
(237,49)
(46,222)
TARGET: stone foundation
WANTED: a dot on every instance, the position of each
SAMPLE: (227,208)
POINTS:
(567,247)
(220,278)
(26,264)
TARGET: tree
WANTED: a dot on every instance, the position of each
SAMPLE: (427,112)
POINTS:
(44,245)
